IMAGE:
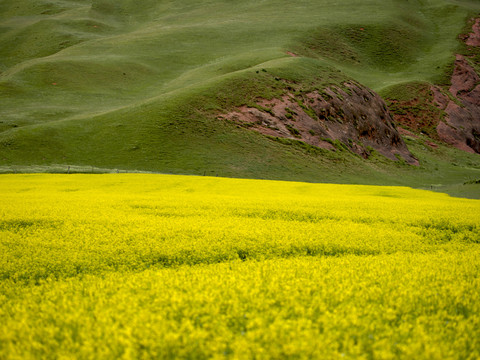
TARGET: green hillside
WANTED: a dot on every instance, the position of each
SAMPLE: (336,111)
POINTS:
(138,85)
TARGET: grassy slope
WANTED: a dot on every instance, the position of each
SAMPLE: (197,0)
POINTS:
(115,84)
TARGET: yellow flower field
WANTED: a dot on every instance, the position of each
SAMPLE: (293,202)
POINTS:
(139,266)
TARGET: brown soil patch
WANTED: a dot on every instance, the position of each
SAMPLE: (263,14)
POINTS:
(421,114)
(405,132)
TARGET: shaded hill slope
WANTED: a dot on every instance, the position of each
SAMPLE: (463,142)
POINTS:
(118,84)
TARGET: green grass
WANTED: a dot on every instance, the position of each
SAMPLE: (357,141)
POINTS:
(121,85)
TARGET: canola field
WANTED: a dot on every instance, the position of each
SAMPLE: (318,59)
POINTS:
(138,266)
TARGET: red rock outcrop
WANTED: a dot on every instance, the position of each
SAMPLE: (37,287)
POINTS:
(354,116)
(461,126)
(474,37)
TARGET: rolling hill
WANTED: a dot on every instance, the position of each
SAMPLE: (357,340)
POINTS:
(99,85)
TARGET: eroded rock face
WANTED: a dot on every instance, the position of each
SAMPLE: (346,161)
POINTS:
(458,121)
(461,127)
(474,37)
(355,116)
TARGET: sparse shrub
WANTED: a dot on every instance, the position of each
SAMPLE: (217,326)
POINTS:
(293,130)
